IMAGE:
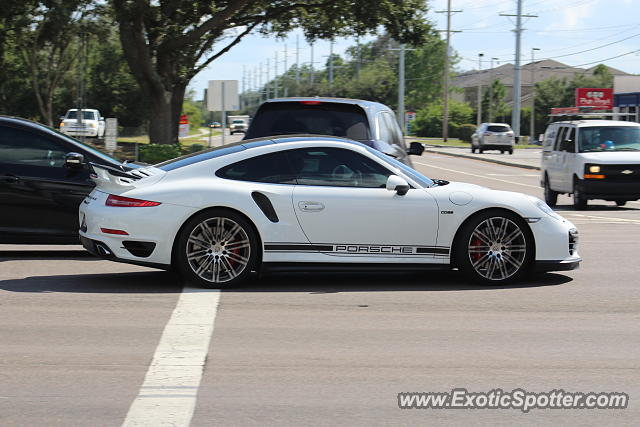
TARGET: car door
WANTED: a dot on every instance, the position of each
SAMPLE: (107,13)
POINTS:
(344,208)
(39,196)
(567,159)
(554,172)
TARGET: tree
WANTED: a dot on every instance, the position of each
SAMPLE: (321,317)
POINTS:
(49,46)
(493,104)
(428,120)
(168,42)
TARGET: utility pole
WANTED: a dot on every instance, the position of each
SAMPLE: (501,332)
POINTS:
(445,121)
(532,127)
(515,114)
(260,86)
(275,75)
(266,85)
(297,61)
(284,74)
(401,85)
(491,90)
(242,91)
(331,67)
(311,76)
(479,118)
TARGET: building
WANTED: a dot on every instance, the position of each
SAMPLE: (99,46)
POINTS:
(626,97)
(531,73)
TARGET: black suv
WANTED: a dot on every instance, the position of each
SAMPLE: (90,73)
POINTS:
(370,123)
(44,177)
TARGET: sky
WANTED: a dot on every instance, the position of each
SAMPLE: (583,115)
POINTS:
(575,32)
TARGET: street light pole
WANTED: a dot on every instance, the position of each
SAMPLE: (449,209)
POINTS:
(532,127)
(479,118)
(490,114)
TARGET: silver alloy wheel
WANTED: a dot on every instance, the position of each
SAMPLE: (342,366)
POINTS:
(218,249)
(497,248)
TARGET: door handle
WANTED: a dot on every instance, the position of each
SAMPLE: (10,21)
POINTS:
(307,206)
(10,178)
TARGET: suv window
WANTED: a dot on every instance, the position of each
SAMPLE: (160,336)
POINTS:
(395,134)
(496,129)
(559,138)
(21,147)
(270,168)
(309,117)
(336,167)
(87,115)
(568,142)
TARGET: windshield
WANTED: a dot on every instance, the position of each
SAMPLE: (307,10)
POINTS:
(497,128)
(238,121)
(411,173)
(88,115)
(609,138)
(321,118)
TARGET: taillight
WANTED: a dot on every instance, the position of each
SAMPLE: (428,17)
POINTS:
(114,231)
(311,102)
(128,202)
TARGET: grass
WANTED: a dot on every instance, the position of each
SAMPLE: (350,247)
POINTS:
(144,139)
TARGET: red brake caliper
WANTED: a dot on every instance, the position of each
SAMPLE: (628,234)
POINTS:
(476,255)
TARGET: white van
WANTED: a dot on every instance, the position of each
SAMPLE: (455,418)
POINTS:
(92,123)
(591,159)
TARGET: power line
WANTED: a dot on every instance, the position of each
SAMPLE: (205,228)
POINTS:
(595,48)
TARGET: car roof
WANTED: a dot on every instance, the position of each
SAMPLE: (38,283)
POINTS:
(589,123)
(371,105)
(496,124)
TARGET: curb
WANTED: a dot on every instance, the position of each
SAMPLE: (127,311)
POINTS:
(499,162)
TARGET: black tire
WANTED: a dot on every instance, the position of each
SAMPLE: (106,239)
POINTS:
(501,151)
(473,149)
(579,198)
(488,258)
(222,246)
(510,150)
(550,196)
(621,203)
(481,150)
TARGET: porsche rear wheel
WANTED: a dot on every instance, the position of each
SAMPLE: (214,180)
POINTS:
(496,247)
(217,248)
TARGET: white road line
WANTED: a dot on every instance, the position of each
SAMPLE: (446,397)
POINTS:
(169,392)
(478,175)
(513,174)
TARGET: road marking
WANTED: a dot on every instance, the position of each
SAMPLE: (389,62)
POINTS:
(478,175)
(169,392)
(511,174)
(606,218)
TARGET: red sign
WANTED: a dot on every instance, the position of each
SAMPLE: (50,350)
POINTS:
(184,120)
(565,110)
(594,97)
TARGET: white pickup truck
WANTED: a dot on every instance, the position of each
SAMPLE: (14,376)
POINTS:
(90,123)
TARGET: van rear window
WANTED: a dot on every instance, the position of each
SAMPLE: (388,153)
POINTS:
(498,128)
(322,118)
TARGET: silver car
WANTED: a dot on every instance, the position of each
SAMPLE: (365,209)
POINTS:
(493,136)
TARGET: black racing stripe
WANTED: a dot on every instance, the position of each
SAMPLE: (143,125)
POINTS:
(444,251)
(301,248)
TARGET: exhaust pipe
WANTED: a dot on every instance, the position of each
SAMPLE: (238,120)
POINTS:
(103,250)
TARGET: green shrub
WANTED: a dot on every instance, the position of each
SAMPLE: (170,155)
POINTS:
(193,148)
(428,120)
(156,153)
(465,131)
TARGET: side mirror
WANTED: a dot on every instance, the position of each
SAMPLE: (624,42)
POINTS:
(73,160)
(102,119)
(397,184)
(416,148)
(61,118)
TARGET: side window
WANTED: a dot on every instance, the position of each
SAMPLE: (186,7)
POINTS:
(270,168)
(336,167)
(385,133)
(18,146)
(569,141)
(559,138)
(394,130)
(549,138)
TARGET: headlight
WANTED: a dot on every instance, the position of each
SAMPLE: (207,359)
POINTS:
(546,209)
(61,124)
(94,125)
(594,169)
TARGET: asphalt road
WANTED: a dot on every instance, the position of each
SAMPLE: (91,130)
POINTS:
(77,335)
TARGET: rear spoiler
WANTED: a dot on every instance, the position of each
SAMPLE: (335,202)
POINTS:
(111,178)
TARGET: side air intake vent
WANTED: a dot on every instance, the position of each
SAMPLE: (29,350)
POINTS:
(265,206)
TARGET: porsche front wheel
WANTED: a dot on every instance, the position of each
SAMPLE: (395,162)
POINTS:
(217,248)
(495,247)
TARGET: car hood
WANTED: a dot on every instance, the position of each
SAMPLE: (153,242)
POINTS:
(611,157)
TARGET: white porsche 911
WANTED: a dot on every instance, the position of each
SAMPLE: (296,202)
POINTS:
(306,203)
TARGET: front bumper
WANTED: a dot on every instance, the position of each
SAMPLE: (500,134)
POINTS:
(79,132)
(611,190)
(563,265)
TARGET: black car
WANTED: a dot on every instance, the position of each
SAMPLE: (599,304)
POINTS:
(44,176)
(370,123)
